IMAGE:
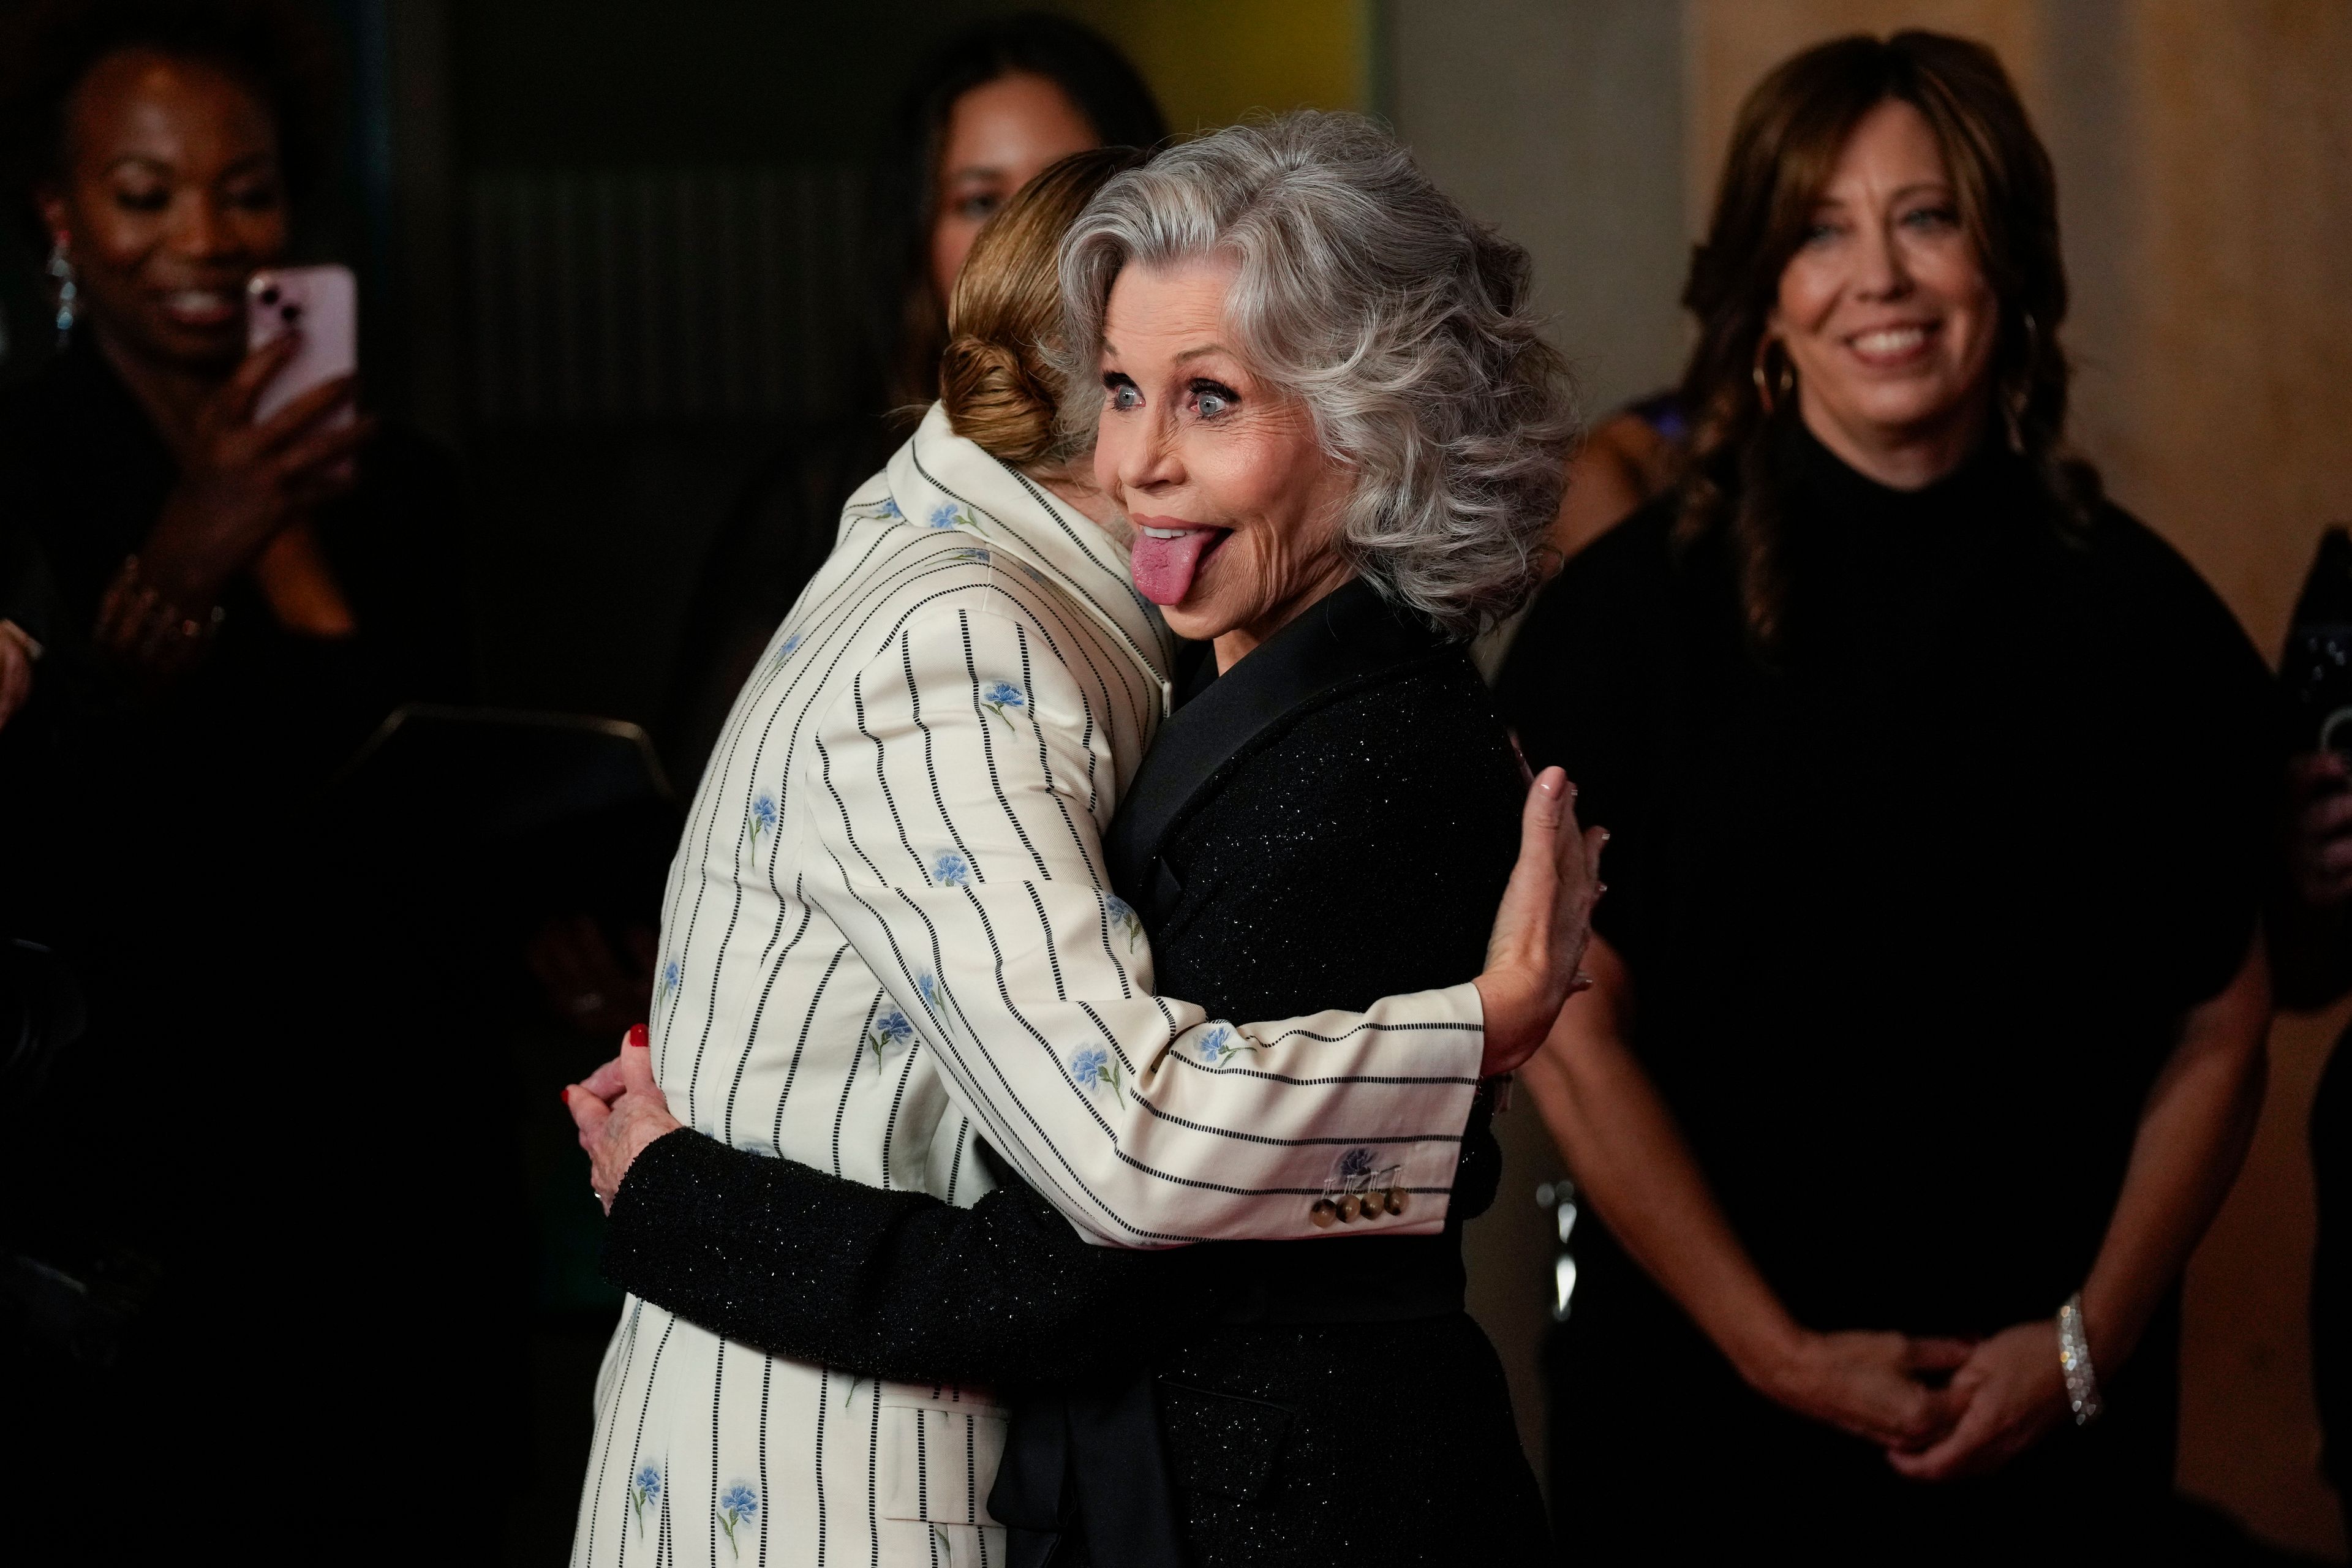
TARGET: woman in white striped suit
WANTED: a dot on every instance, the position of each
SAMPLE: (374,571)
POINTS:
(890,930)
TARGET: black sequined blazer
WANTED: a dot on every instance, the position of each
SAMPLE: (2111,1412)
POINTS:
(1331,822)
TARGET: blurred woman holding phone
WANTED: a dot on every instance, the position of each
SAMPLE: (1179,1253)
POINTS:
(237,603)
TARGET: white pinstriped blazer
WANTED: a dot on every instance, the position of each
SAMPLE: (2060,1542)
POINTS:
(888,930)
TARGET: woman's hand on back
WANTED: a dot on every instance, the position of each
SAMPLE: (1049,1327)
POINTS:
(1539,933)
(619,1110)
(242,483)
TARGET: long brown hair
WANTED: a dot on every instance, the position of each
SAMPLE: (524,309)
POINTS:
(997,375)
(1784,145)
(1099,80)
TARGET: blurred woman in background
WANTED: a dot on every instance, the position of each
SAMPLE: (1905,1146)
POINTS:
(234,604)
(1929,1008)
(993,107)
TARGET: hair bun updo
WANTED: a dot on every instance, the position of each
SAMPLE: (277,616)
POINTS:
(997,378)
(1001,397)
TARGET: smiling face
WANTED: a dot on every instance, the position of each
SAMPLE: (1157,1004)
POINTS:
(1235,504)
(999,136)
(1886,312)
(169,199)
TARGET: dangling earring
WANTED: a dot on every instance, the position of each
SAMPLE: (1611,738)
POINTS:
(1756,373)
(61,274)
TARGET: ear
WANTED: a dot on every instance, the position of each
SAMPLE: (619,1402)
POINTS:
(52,205)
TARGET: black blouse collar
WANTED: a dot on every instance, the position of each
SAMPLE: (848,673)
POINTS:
(1993,474)
(1349,636)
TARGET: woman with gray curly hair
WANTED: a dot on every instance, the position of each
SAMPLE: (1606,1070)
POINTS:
(1311,259)
(1322,422)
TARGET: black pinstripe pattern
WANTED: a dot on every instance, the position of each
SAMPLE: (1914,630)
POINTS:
(867,724)
(988,745)
(898,1100)
(824,1398)
(718,1393)
(620,1380)
(767,1492)
(799,1047)
(872,1484)
(636,1443)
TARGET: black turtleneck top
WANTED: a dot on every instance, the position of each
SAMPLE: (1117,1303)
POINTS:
(1914,907)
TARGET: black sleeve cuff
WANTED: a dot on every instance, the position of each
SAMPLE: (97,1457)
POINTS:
(897,1285)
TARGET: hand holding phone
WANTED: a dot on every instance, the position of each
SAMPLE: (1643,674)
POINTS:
(319,306)
(275,442)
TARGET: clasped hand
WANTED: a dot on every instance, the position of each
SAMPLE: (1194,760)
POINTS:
(1998,1395)
(618,1110)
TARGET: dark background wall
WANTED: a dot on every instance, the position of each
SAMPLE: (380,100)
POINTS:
(605,252)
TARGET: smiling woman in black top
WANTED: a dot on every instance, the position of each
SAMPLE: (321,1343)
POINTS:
(1930,997)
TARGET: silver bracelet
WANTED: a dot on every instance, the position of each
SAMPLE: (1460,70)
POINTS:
(2074,1361)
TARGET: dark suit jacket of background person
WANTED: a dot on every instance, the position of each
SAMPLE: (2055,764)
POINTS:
(1913,910)
(1331,822)
(248,979)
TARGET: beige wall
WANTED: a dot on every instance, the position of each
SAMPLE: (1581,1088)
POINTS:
(2204,154)
(1213,61)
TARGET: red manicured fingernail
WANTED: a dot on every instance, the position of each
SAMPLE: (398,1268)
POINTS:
(636,1034)
(567,1094)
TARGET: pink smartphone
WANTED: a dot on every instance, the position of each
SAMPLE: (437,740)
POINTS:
(322,303)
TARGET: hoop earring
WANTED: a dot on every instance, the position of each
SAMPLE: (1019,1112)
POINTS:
(61,275)
(1788,377)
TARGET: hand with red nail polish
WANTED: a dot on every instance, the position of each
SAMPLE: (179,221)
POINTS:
(619,1110)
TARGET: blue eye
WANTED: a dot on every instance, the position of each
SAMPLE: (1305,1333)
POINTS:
(1124,395)
(1212,399)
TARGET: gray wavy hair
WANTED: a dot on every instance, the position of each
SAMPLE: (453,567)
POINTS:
(1400,322)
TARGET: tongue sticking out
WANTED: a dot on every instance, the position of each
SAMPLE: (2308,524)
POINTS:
(1165,568)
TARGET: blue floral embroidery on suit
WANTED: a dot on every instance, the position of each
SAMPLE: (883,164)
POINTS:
(950,870)
(1221,1042)
(1094,1067)
(1124,919)
(1003,698)
(737,1504)
(671,973)
(934,995)
(953,516)
(891,1029)
(785,649)
(1356,1162)
(645,1491)
(763,817)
